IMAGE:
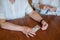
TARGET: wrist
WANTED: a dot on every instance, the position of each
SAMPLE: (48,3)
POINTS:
(41,21)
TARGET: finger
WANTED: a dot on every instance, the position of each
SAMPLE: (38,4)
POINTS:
(45,7)
(44,24)
(44,27)
(31,35)
(27,35)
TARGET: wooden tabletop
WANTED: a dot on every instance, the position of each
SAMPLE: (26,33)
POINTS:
(52,33)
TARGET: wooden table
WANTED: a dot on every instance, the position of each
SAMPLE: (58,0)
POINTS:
(52,33)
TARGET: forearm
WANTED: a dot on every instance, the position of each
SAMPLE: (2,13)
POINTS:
(35,16)
(10,26)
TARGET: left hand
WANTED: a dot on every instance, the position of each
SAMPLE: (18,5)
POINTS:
(53,9)
(44,25)
(28,31)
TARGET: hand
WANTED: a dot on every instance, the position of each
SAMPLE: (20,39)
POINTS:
(28,31)
(53,9)
(42,6)
(44,25)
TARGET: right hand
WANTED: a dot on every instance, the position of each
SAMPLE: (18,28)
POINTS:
(28,31)
(44,25)
(52,9)
(44,7)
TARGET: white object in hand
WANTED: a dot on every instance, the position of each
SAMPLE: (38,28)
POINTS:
(36,28)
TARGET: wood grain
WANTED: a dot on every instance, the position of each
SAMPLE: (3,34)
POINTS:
(52,33)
